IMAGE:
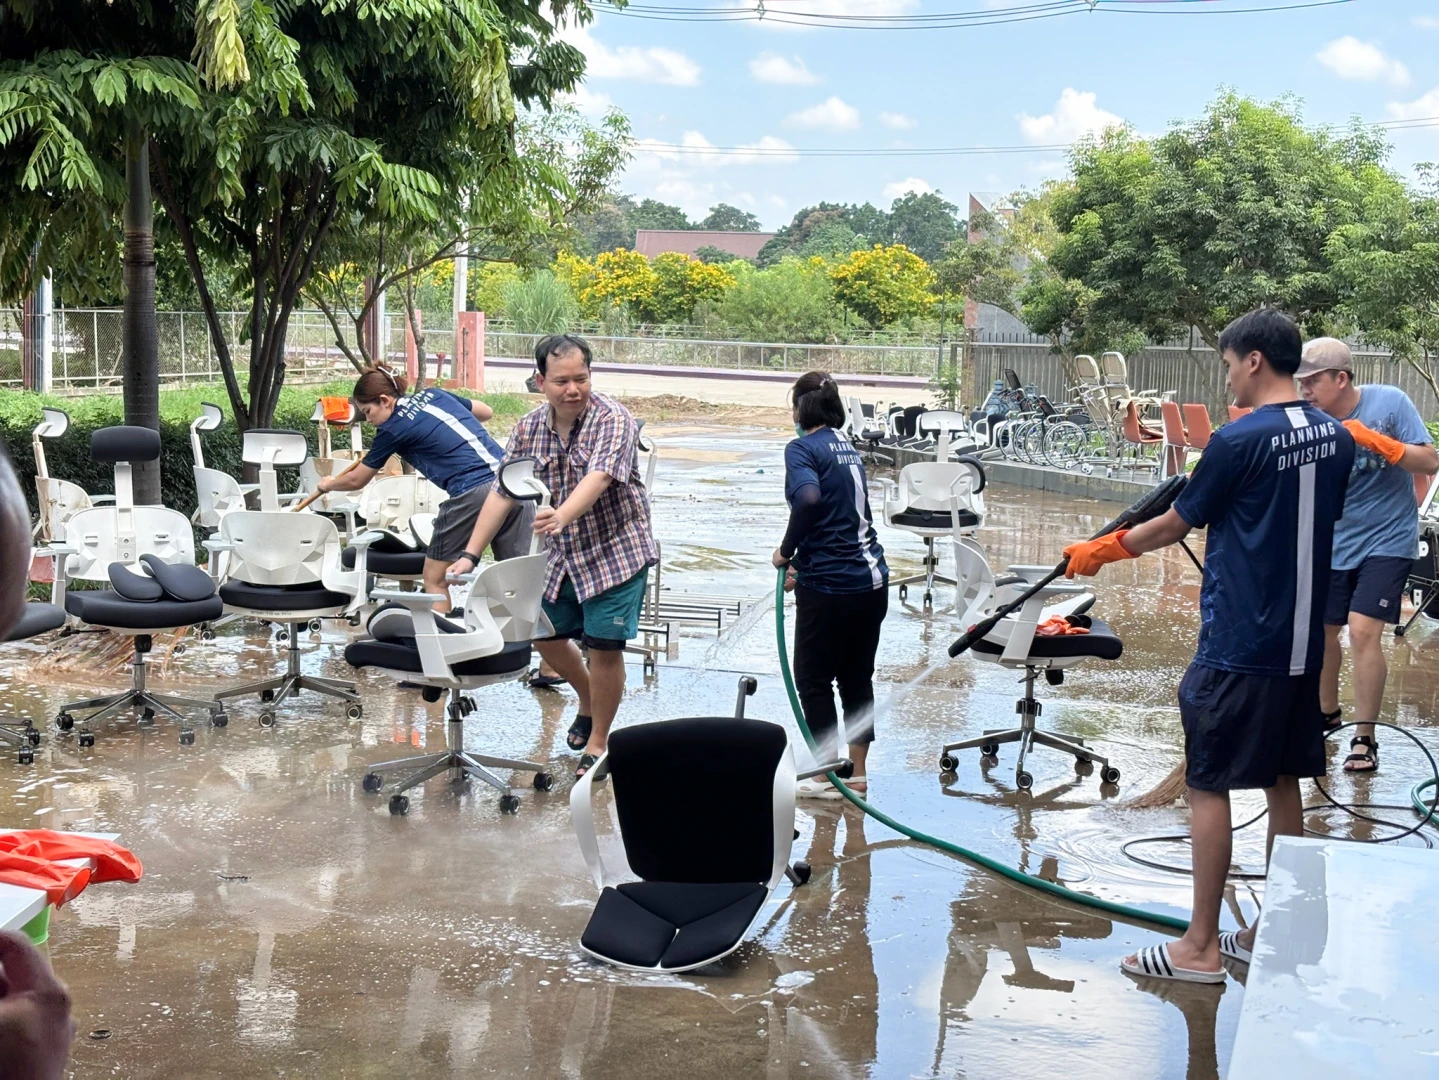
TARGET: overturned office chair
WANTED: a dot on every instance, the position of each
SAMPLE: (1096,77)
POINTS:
(489,642)
(37,618)
(216,492)
(1014,644)
(932,499)
(57,499)
(285,567)
(706,866)
(147,554)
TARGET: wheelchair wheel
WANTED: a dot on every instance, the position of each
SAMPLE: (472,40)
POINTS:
(1064,444)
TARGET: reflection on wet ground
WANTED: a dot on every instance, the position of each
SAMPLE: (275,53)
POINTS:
(288,925)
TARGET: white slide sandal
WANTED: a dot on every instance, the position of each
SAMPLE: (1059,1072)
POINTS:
(1229,946)
(817,788)
(1154,963)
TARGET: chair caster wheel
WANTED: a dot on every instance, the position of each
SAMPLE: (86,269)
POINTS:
(87,738)
(1023,781)
(373,782)
(354,710)
(903,591)
(544,781)
(267,695)
(314,626)
(1110,775)
(33,735)
(801,872)
(432,693)
(187,736)
(989,749)
(509,804)
(1083,767)
(267,719)
(219,719)
(207,635)
(148,716)
(64,721)
(282,635)
(26,756)
(399,805)
(928,600)
(178,649)
(947,763)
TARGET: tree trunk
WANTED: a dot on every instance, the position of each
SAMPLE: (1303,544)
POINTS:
(142,362)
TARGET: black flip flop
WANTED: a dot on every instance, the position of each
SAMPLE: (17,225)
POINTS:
(545,682)
(1333,719)
(1370,753)
(578,737)
(587,762)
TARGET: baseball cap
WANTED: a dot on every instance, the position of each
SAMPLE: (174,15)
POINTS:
(1324,354)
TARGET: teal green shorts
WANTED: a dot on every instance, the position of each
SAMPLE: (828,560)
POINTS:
(604,621)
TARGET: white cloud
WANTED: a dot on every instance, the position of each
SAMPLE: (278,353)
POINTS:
(1426,22)
(1350,58)
(900,188)
(832,114)
(1419,109)
(898,121)
(1075,115)
(652,64)
(770,67)
(695,151)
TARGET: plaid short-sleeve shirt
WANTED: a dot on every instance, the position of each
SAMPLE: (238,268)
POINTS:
(612,541)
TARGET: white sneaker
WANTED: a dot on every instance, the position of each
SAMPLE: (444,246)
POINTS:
(817,788)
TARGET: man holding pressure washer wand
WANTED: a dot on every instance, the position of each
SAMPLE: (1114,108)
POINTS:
(1269,488)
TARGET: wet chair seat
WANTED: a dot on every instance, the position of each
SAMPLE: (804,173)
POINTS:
(706,866)
(1101,643)
(37,618)
(389,556)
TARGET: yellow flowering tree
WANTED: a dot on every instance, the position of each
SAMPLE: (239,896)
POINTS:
(665,290)
(884,284)
(680,284)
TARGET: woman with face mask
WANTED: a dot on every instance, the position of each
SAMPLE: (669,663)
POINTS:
(839,577)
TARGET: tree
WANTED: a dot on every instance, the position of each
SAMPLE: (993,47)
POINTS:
(825,229)
(884,284)
(1214,218)
(708,253)
(652,214)
(923,223)
(1389,265)
(790,301)
(731,219)
(682,283)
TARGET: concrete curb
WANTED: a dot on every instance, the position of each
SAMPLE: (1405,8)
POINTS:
(906,382)
(1046,478)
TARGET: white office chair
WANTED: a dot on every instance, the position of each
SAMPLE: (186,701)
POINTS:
(285,567)
(216,492)
(331,462)
(933,499)
(57,499)
(147,554)
(950,432)
(1014,644)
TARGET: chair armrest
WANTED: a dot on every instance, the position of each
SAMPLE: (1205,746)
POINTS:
(1028,571)
(217,545)
(415,601)
(246,489)
(582,818)
(293,496)
(58,552)
(96,500)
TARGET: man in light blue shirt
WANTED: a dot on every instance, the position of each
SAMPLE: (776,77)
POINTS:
(1377,538)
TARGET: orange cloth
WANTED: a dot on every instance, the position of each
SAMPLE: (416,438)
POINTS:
(1087,557)
(30,858)
(337,409)
(1391,450)
(1058,626)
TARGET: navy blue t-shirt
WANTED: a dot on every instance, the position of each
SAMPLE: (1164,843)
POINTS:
(840,552)
(1269,487)
(436,432)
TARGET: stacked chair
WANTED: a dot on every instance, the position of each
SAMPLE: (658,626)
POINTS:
(147,555)
(57,499)
(933,499)
(216,492)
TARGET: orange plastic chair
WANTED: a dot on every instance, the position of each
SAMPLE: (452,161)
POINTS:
(1136,432)
(1197,426)
(1235,413)
(1176,439)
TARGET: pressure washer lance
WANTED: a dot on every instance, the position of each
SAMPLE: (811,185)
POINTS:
(1149,507)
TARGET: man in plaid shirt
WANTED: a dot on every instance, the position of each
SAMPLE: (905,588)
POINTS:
(601,546)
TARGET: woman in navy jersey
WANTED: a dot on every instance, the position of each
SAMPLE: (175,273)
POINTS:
(838,574)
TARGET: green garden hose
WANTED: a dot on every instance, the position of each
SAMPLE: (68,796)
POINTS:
(1122,910)
(1423,806)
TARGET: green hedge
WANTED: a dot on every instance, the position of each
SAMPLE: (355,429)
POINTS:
(69,456)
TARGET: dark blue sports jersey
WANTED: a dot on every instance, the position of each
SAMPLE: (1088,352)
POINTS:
(840,552)
(436,432)
(1269,487)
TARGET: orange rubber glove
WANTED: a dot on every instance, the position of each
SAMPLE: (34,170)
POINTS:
(1391,450)
(1087,557)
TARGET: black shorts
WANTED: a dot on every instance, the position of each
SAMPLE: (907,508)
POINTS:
(1246,731)
(1375,588)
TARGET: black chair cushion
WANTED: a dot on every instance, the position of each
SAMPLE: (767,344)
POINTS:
(392,621)
(121,443)
(405,563)
(933,519)
(181,581)
(309,596)
(109,608)
(673,832)
(133,586)
(669,924)
(37,618)
(1100,642)
(404,656)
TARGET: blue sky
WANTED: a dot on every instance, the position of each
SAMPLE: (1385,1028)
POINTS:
(1037,83)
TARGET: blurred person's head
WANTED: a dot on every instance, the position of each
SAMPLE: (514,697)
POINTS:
(14,545)
(815,396)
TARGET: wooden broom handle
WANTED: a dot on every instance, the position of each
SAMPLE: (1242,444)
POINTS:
(311,498)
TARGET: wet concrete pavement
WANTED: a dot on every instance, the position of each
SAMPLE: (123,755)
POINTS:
(287,925)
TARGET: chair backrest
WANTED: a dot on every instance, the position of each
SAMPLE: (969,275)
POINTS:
(1087,371)
(974,594)
(1132,429)
(210,418)
(672,827)
(53,423)
(508,595)
(216,494)
(1174,433)
(103,535)
(1196,423)
(278,548)
(1113,369)
(57,501)
(1012,380)
(271,448)
(927,484)
(388,502)
(1097,405)
(1238,413)
(934,421)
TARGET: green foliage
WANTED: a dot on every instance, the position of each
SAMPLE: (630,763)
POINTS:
(652,214)
(884,284)
(715,256)
(923,223)
(826,229)
(486,285)
(730,218)
(790,301)
(541,304)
